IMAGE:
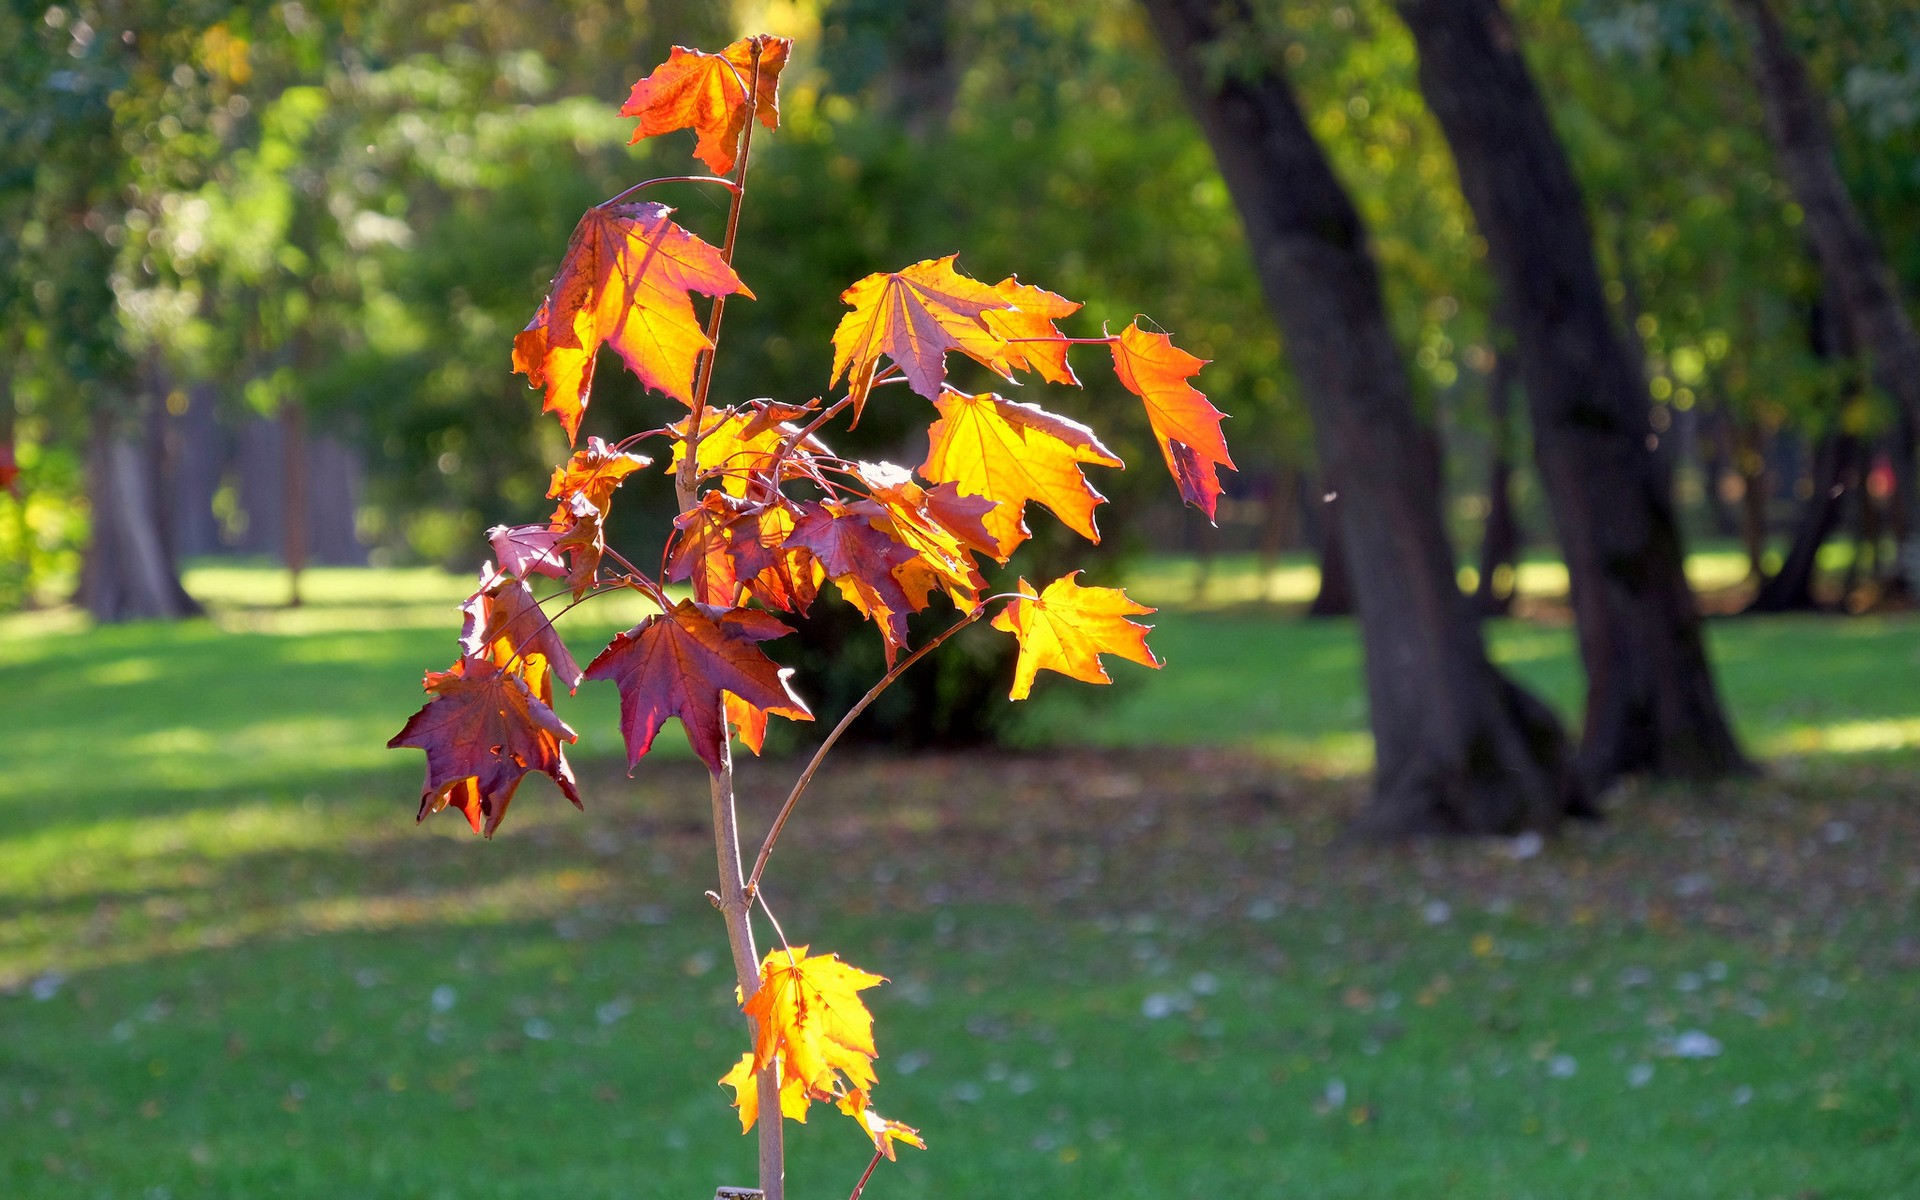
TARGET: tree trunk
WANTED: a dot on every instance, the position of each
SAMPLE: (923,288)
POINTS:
(1857,271)
(1836,471)
(128,573)
(1459,748)
(1651,700)
(1335,597)
(293,502)
(1839,466)
(1862,281)
(1500,539)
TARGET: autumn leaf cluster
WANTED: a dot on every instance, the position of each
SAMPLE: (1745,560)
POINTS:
(770,516)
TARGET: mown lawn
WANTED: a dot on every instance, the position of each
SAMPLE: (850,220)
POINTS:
(1149,966)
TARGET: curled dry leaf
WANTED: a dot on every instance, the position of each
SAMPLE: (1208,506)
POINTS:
(591,474)
(1067,628)
(506,625)
(707,93)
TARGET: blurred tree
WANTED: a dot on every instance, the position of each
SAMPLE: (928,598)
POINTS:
(1863,286)
(1651,700)
(1459,747)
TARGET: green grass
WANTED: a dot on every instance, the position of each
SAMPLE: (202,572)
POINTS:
(231,966)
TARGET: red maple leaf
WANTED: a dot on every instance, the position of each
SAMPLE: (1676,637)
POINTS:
(683,663)
(861,561)
(483,731)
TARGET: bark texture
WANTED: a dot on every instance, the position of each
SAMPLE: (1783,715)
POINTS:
(1459,748)
(1651,701)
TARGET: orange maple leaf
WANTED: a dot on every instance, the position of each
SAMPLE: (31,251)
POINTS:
(884,1131)
(592,473)
(625,281)
(914,317)
(1185,424)
(506,625)
(707,93)
(1011,452)
(1032,317)
(1067,628)
(942,556)
(809,1015)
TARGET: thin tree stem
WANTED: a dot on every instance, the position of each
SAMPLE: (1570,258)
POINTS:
(873,693)
(865,1175)
(736,909)
(690,466)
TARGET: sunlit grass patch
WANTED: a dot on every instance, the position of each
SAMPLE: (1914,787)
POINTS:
(231,964)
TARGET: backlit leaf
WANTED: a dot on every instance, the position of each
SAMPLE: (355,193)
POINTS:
(809,1014)
(682,662)
(483,731)
(1011,452)
(1185,424)
(914,317)
(625,282)
(1067,628)
(1033,315)
(707,93)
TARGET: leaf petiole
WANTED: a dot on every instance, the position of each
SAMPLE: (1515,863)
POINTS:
(722,180)
(813,764)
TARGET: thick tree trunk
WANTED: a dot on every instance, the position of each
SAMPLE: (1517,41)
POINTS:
(128,572)
(1459,748)
(1500,538)
(1651,700)
(1335,597)
(329,494)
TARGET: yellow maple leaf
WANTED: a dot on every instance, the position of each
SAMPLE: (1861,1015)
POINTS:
(1067,628)
(1012,453)
(810,1015)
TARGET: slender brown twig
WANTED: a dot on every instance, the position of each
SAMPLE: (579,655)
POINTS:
(865,1175)
(873,693)
(684,484)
